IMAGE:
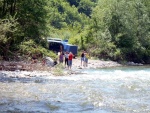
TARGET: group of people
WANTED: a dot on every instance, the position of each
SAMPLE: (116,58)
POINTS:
(84,59)
(67,57)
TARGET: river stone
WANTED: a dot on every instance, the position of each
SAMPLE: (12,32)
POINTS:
(49,61)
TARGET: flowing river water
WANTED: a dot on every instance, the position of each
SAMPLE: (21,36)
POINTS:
(110,90)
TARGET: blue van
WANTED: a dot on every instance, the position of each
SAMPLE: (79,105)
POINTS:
(71,48)
(57,45)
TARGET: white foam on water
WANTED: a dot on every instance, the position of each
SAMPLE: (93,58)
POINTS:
(116,90)
(104,75)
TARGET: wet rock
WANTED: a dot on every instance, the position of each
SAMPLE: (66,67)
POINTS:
(134,64)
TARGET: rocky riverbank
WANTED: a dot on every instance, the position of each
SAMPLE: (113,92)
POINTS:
(95,63)
(36,70)
(29,66)
(26,72)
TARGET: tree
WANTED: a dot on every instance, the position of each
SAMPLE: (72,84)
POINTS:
(101,42)
(32,16)
(85,6)
(8,29)
(7,7)
(74,2)
(127,23)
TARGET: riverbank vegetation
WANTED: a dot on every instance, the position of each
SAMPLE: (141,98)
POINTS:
(108,29)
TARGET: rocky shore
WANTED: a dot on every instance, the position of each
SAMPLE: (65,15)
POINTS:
(39,70)
(39,66)
(95,63)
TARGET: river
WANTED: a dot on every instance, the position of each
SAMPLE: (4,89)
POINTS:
(109,90)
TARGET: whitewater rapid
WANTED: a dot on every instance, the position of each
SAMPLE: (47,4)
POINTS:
(108,90)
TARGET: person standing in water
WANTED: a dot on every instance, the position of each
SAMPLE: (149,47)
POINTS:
(70,57)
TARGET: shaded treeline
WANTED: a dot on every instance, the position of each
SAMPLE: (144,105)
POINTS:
(109,29)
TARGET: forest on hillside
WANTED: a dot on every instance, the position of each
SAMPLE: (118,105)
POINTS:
(117,30)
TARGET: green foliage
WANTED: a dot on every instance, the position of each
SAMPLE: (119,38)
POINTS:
(117,56)
(8,33)
(108,29)
(7,7)
(85,6)
(74,2)
(127,23)
(7,28)
(63,15)
(30,48)
(58,70)
(32,16)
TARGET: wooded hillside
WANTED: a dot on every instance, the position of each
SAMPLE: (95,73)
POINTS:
(108,29)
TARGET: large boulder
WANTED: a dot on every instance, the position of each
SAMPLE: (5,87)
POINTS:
(49,61)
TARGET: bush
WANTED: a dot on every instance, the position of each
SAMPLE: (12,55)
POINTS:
(30,48)
(58,70)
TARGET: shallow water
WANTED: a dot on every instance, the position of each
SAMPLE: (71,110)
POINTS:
(110,90)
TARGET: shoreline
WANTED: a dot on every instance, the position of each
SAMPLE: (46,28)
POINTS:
(39,66)
(38,70)
(95,64)
(76,64)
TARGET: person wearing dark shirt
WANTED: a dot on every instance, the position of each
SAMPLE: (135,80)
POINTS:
(82,58)
(66,58)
